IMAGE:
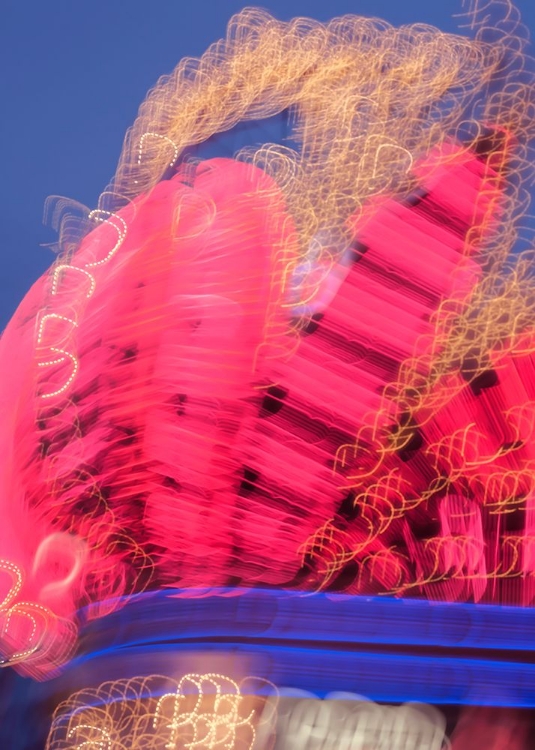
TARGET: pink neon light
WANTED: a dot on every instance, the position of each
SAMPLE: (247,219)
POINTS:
(165,415)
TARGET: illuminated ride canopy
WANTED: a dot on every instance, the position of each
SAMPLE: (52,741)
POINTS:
(305,367)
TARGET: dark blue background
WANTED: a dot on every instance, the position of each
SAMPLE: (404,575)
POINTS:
(73,75)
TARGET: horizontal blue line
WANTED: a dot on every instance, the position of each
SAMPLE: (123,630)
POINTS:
(381,677)
(273,614)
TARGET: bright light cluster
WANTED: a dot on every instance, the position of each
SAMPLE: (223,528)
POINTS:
(197,712)
(31,635)
(60,354)
(209,711)
(213,728)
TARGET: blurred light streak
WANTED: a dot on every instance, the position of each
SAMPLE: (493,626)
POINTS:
(325,618)
(383,677)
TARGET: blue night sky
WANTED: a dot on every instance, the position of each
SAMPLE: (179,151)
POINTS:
(73,75)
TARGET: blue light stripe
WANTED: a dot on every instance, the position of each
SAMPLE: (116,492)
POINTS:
(257,613)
